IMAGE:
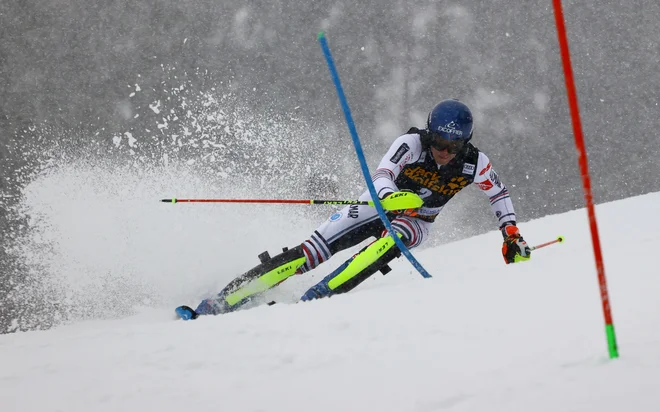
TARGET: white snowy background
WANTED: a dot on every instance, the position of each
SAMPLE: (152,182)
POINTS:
(478,336)
(109,106)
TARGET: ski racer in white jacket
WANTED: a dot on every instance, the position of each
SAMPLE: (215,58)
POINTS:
(436,163)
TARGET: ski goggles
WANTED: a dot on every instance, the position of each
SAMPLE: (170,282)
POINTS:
(440,143)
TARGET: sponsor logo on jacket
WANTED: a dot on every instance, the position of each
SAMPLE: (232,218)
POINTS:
(403,149)
(485,185)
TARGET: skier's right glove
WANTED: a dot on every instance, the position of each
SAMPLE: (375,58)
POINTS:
(514,248)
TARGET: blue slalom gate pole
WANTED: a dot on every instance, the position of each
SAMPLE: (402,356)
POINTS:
(360,154)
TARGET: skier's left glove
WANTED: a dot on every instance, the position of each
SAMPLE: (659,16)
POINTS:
(514,248)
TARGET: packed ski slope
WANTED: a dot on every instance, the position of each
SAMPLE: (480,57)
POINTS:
(478,336)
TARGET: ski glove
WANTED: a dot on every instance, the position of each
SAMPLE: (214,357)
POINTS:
(514,248)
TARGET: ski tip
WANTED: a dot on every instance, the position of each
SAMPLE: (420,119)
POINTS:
(168,200)
(560,239)
(320,35)
(186,312)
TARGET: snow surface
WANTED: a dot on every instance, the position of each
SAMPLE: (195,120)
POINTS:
(478,336)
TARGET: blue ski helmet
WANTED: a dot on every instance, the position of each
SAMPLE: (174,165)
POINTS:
(450,120)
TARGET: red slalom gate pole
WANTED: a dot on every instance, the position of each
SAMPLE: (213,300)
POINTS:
(396,201)
(586,180)
(293,201)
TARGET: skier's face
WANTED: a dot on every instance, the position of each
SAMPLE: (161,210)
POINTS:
(444,150)
(442,157)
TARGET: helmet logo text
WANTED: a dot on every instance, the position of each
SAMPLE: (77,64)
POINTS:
(451,129)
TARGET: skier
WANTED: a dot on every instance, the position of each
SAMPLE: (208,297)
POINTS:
(435,163)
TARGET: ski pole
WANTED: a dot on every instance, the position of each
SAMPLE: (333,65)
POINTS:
(552,242)
(395,201)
